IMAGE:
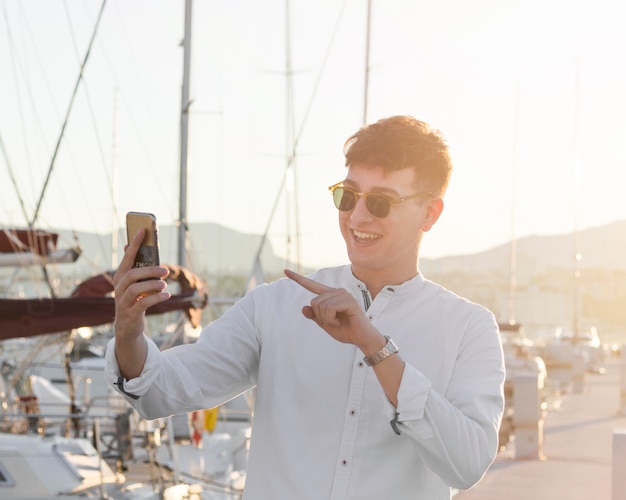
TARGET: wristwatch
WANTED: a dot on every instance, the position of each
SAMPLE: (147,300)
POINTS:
(389,349)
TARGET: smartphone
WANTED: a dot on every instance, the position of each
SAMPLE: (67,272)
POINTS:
(148,253)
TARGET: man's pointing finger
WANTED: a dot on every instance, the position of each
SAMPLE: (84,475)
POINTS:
(309,284)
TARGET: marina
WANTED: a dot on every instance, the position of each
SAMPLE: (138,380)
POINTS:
(572,455)
(575,456)
(65,433)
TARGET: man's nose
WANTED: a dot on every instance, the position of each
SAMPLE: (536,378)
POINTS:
(360,211)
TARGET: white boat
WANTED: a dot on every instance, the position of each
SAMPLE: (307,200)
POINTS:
(37,467)
(180,452)
(520,358)
(560,349)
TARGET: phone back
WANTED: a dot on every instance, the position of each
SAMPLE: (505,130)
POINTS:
(148,254)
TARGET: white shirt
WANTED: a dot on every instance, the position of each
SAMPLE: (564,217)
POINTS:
(321,421)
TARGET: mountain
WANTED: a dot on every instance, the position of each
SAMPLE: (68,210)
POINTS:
(551,289)
(215,250)
(548,292)
(601,247)
(221,250)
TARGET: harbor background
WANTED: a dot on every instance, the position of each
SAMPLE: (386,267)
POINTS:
(575,459)
(549,291)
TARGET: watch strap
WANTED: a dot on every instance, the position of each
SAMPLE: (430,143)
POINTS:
(389,348)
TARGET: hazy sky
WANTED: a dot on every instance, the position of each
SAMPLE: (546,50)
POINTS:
(529,94)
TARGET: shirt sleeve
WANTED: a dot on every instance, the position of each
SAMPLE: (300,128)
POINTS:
(412,396)
(134,388)
(218,367)
(457,432)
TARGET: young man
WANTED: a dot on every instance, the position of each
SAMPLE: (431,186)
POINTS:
(371,381)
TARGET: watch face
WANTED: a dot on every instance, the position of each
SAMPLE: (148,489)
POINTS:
(393,348)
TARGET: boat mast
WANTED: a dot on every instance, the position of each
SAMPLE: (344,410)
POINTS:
(114,180)
(368,31)
(184,138)
(290,142)
(513,256)
(182,205)
(577,197)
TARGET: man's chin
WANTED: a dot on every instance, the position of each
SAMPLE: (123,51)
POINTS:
(364,258)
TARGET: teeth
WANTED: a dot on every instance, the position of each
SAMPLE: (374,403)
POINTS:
(365,236)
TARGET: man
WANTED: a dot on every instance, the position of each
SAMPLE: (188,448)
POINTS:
(371,381)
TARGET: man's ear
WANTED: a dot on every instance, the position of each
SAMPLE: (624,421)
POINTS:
(433,207)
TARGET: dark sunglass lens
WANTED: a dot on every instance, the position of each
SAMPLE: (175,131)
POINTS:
(344,199)
(378,205)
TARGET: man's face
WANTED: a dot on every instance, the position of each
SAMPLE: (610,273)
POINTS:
(384,247)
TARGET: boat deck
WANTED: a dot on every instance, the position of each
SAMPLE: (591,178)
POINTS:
(576,459)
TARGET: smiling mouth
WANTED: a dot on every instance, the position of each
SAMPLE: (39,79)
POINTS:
(365,236)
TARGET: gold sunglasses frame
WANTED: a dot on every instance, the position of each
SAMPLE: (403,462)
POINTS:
(392,201)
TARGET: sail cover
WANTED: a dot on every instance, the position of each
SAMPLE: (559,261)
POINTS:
(91,304)
(29,247)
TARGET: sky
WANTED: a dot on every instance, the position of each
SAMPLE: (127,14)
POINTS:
(529,95)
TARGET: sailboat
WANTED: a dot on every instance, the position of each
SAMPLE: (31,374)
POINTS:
(575,349)
(26,247)
(35,462)
(91,304)
(232,421)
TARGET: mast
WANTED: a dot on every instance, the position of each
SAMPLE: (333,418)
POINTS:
(513,257)
(577,197)
(291,182)
(184,137)
(114,180)
(368,31)
(182,203)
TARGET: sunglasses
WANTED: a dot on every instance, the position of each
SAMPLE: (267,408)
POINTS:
(377,204)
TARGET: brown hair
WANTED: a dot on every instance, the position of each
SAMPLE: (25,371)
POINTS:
(400,142)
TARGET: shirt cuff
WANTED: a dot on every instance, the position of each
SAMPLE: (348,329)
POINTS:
(412,396)
(137,386)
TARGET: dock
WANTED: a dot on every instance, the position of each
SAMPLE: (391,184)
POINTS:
(576,457)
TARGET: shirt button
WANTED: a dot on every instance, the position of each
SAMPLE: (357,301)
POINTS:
(352,413)
(344,462)
(361,364)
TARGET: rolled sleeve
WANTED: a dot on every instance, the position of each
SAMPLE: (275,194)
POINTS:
(139,385)
(412,396)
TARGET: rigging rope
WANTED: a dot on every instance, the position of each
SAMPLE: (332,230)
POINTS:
(67,115)
(292,156)
(12,176)
(2,146)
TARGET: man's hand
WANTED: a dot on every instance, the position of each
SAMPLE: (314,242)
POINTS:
(338,313)
(132,297)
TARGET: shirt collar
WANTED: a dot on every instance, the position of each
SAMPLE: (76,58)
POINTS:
(410,285)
